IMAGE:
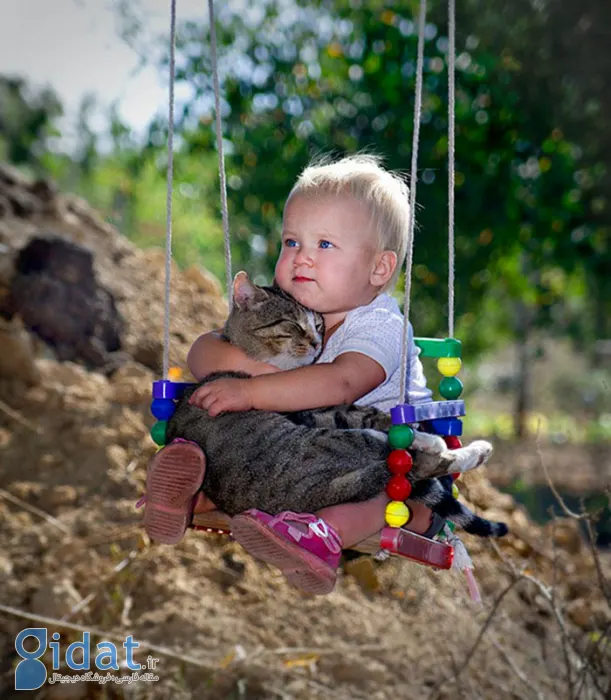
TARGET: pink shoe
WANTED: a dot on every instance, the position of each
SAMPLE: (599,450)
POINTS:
(309,560)
(173,481)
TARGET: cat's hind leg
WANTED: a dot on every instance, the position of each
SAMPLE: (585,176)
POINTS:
(433,459)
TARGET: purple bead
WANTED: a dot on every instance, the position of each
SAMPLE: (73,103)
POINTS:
(165,389)
(432,410)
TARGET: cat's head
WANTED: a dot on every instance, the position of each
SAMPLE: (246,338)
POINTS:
(270,326)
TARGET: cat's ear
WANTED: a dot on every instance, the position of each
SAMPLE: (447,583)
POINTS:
(245,293)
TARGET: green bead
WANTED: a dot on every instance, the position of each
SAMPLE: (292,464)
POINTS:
(400,437)
(451,525)
(450,387)
(158,432)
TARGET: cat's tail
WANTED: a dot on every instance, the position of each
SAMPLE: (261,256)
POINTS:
(437,495)
(459,514)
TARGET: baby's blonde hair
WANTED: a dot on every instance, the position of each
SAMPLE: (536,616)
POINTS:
(385,194)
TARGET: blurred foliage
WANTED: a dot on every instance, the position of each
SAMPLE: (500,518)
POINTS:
(301,79)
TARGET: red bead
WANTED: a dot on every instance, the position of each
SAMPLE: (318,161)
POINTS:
(456,475)
(398,488)
(399,461)
(452,442)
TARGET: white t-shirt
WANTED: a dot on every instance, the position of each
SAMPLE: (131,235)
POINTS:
(376,330)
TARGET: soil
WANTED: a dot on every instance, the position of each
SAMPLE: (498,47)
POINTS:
(74,448)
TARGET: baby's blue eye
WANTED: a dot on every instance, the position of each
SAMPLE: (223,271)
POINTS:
(326,244)
(290,243)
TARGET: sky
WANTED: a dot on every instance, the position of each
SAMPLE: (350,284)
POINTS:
(73,46)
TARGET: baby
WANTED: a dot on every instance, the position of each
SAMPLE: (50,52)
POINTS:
(344,241)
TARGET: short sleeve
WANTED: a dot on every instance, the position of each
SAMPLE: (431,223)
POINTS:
(376,333)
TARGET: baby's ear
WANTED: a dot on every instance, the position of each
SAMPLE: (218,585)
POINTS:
(245,293)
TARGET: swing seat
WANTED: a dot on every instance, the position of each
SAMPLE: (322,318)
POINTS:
(398,542)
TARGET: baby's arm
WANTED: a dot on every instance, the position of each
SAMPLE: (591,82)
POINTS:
(343,381)
(210,353)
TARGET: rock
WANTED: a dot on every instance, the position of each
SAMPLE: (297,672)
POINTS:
(580,612)
(17,356)
(205,281)
(131,384)
(149,352)
(117,456)
(566,534)
(55,291)
(55,599)
(63,495)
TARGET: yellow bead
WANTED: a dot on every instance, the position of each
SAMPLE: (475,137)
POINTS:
(397,514)
(449,366)
(174,374)
(455,491)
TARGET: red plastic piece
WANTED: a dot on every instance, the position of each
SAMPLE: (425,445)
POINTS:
(417,548)
(456,475)
(399,462)
(398,488)
(452,442)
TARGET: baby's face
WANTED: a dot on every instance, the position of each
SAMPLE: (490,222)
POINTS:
(328,254)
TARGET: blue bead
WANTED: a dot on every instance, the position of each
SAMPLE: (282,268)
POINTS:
(446,426)
(163,409)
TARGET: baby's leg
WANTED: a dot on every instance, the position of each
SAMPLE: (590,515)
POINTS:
(354,522)
(173,481)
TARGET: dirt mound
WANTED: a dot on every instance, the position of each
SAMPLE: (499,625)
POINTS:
(74,447)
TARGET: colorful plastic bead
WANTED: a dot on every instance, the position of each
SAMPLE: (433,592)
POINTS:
(451,525)
(397,514)
(449,366)
(452,442)
(400,437)
(158,432)
(429,410)
(455,476)
(450,388)
(163,409)
(399,461)
(455,491)
(174,374)
(445,426)
(398,488)
(165,389)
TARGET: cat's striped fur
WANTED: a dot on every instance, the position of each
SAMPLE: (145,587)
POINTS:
(308,460)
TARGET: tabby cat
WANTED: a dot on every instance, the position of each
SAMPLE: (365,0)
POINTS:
(307,460)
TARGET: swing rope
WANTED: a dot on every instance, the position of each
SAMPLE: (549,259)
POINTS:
(221,154)
(405,360)
(170,188)
(451,158)
(405,363)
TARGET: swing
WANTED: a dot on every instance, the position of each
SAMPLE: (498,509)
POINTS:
(442,418)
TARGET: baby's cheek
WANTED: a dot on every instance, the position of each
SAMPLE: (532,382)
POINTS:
(281,273)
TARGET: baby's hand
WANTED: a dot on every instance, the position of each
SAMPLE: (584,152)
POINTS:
(223,395)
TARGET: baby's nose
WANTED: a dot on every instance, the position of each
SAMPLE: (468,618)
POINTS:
(303,257)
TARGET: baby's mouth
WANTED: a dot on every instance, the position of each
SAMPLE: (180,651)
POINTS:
(299,278)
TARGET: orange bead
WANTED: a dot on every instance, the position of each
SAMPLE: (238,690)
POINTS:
(399,461)
(398,488)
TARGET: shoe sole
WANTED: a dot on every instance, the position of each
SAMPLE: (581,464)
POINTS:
(301,568)
(172,483)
